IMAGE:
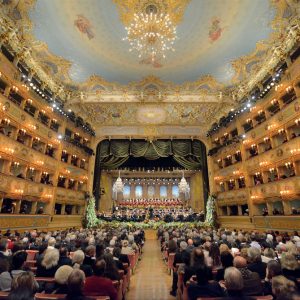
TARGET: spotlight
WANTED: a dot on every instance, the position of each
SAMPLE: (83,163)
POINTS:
(248,105)
(59,136)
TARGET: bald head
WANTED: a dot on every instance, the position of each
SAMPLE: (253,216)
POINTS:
(190,242)
(239,262)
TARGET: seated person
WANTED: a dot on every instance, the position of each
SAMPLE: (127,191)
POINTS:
(98,285)
(204,288)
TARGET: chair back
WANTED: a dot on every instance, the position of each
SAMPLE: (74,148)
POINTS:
(3,295)
(42,296)
(31,254)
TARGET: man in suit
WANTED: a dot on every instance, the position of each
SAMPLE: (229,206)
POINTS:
(251,280)
(64,258)
(178,259)
(98,285)
(90,253)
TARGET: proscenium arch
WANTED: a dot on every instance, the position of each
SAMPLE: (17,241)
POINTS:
(98,165)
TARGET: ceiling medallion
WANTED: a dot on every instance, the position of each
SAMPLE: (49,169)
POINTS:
(151,34)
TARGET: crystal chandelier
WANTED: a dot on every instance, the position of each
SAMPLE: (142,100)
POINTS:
(151,34)
(184,186)
(118,186)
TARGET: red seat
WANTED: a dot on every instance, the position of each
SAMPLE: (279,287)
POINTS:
(170,261)
(4,295)
(31,254)
(42,296)
(45,279)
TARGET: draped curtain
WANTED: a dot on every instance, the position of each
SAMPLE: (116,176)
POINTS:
(116,152)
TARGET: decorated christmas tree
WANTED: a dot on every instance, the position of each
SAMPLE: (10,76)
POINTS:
(211,211)
(90,215)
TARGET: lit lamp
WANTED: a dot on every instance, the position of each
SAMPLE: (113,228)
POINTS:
(184,186)
(118,186)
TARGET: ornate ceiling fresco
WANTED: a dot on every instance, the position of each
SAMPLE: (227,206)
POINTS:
(224,48)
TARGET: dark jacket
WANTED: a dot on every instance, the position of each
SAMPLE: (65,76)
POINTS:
(212,289)
(258,267)
(64,260)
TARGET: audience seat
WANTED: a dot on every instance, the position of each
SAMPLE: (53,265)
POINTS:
(45,279)
(268,297)
(41,296)
(3,295)
(31,254)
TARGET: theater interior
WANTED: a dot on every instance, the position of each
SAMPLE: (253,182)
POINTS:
(166,130)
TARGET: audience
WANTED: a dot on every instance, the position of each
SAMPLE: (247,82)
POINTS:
(97,284)
(216,263)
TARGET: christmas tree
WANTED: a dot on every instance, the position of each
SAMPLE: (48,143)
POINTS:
(90,215)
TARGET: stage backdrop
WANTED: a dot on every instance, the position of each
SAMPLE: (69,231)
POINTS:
(112,154)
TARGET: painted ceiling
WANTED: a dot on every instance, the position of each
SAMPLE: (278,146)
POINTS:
(211,35)
(76,47)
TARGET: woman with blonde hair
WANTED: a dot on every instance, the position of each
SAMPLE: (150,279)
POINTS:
(281,285)
(77,263)
(290,266)
(49,264)
(224,248)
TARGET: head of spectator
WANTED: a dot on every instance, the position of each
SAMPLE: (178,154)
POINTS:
(202,275)
(21,294)
(214,253)
(51,242)
(18,260)
(254,255)
(183,246)
(197,257)
(63,251)
(269,253)
(50,258)
(62,274)
(75,284)
(226,259)
(223,248)
(90,251)
(117,252)
(244,253)
(4,246)
(289,261)
(25,281)
(111,270)
(239,262)
(78,258)
(273,269)
(281,285)
(190,242)
(99,267)
(233,281)
(291,248)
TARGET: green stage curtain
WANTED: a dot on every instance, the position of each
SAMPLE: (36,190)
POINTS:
(186,152)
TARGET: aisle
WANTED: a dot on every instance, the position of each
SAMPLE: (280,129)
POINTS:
(151,280)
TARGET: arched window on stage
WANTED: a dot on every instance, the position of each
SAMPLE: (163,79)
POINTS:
(151,191)
(138,191)
(175,191)
(163,191)
(126,192)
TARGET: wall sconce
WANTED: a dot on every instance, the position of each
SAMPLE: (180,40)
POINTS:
(274,101)
(29,101)
(6,121)
(236,172)
(281,131)
(15,89)
(271,170)
(288,165)
(254,197)
(16,163)
(19,191)
(295,151)
(270,127)
(288,89)
(266,139)
(297,121)
(40,162)
(257,173)
(285,192)
(216,178)
(248,120)
(253,145)
(260,112)
(31,169)
(263,163)
(10,150)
